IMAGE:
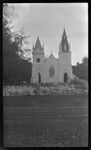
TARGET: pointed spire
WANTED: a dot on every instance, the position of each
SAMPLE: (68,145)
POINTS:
(43,45)
(38,47)
(64,30)
(38,44)
(64,46)
(64,33)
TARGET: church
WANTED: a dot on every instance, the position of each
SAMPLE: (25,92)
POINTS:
(51,69)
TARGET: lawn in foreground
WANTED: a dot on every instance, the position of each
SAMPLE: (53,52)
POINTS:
(45,121)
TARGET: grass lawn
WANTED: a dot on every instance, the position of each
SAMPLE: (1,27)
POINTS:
(32,121)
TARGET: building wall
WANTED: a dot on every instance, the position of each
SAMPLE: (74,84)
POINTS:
(64,66)
(37,68)
(35,73)
(61,66)
(51,61)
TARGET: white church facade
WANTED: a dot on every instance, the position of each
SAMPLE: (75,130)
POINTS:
(51,69)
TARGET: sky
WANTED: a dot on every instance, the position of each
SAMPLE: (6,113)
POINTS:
(48,20)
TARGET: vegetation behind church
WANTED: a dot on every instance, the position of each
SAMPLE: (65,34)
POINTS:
(16,69)
(81,69)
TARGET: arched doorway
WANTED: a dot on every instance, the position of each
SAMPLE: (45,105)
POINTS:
(65,77)
(39,75)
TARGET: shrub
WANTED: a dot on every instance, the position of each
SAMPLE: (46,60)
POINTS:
(75,81)
(80,87)
(35,92)
(44,92)
(78,83)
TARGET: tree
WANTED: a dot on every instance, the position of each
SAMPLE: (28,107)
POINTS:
(15,69)
(81,69)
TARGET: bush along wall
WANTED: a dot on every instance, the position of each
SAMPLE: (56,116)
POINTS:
(75,87)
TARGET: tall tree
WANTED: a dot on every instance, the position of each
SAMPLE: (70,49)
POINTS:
(15,69)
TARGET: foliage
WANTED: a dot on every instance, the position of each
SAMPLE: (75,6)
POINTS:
(35,91)
(15,69)
(75,81)
(74,88)
(81,69)
(79,84)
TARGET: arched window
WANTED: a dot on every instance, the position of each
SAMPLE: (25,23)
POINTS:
(65,77)
(51,71)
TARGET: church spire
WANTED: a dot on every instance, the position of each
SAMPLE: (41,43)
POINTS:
(64,36)
(64,46)
(38,44)
(38,47)
(43,45)
(64,33)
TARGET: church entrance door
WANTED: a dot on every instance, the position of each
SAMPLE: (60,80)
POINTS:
(39,77)
(65,77)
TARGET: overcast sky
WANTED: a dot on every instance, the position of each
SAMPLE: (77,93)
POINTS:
(47,20)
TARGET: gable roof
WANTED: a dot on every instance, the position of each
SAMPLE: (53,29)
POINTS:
(51,57)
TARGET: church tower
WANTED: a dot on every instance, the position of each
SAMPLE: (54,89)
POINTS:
(65,73)
(38,63)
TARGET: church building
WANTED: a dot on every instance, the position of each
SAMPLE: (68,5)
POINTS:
(51,69)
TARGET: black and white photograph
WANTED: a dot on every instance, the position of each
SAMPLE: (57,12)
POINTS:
(45,74)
